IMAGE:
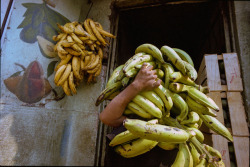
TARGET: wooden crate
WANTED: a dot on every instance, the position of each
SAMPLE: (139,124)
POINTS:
(227,95)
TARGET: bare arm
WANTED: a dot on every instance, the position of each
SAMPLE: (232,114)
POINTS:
(145,80)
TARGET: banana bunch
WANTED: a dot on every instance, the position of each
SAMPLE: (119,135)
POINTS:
(170,116)
(80,49)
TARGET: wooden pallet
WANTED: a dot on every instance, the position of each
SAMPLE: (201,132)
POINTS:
(228,97)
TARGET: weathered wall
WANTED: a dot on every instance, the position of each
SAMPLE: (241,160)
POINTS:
(242,39)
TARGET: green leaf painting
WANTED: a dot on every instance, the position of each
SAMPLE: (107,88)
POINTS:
(40,20)
(51,68)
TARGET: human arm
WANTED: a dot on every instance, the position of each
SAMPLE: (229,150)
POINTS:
(145,80)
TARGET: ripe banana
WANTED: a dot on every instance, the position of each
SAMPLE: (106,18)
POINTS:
(153,97)
(66,88)
(167,146)
(151,50)
(114,76)
(164,94)
(64,61)
(195,154)
(71,83)
(155,132)
(136,61)
(76,67)
(135,148)
(147,105)
(59,73)
(65,75)
(93,63)
(183,157)
(75,38)
(108,91)
(105,33)
(72,52)
(135,108)
(193,117)
(168,70)
(174,58)
(215,125)
(199,108)
(184,55)
(88,29)
(96,32)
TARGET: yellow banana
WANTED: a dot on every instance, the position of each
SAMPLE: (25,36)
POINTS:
(98,72)
(183,157)
(135,148)
(76,39)
(155,132)
(58,37)
(64,61)
(59,73)
(105,33)
(71,83)
(60,48)
(88,29)
(70,39)
(153,97)
(147,105)
(93,63)
(76,66)
(90,62)
(65,75)
(151,50)
(167,146)
(66,88)
(65,43)
(215,125)
(96,32)
(72,52)
(95,69)
(199,108)
(164,94)
(80,31)
(122,137)
(135,108)
(128,112)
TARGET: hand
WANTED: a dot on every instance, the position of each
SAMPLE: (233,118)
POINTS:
(146,79)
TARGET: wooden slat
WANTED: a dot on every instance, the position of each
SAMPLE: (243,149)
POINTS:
(241,149)
(232,70)
(237,114)
(201,75)
(213,73)
(221,144)
(216,96)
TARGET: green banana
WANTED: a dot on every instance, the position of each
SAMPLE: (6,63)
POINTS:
(136,61)
(183,157)
(191,72)
(138,110)
(174,58)
(121,75)
(217,158)
(153,97)
(184,56)
(215,125)
(195,94)
(113,95)
(156,132)
(199,108)
(122,137)
(199,123)
(126,136)
(128,112)
(131,73)
(199,135)
(168,70)
(159,73)
(195,154)
(179,77)
(150,49)
(114,76)
(135,148)
(108,91)
(202,163)
(167,146)
(147,105)
(125,81)
(193,117)
(193,125)
(152,63)
(165,96)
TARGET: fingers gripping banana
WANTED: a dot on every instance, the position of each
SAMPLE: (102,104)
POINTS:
(147,105)
(155,132)
(138,110)
(135,148)
(151,50)
(65,75)
(153,97)
(216,126)
(184,157)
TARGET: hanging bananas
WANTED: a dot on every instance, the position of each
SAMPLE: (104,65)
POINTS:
(79,45)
